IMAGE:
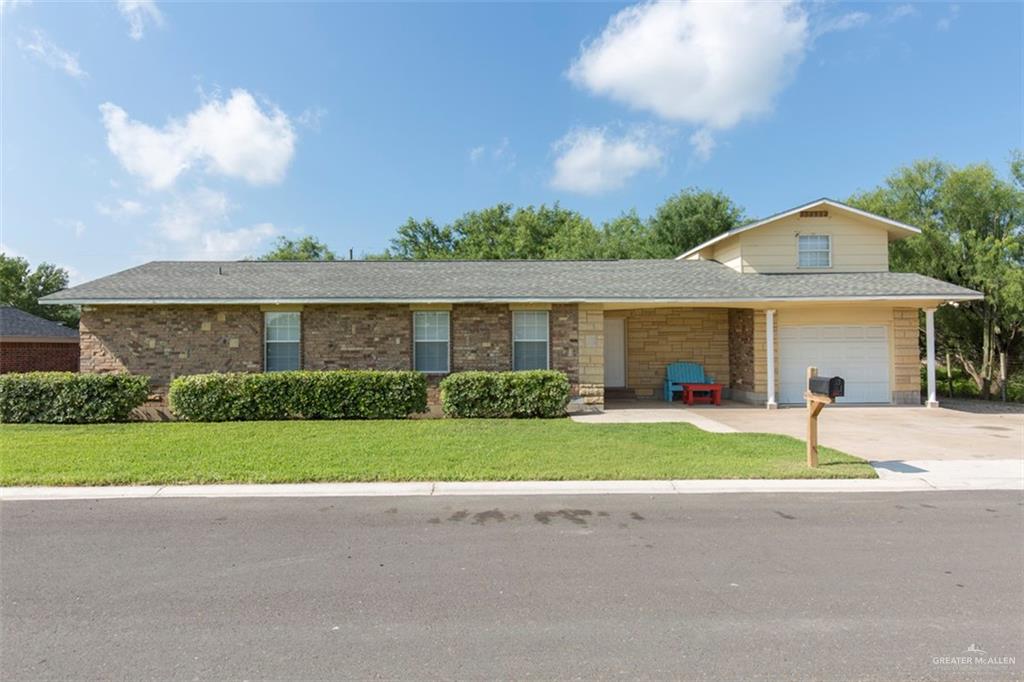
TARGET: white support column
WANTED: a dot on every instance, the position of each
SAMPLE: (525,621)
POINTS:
(769,332)
(929,332)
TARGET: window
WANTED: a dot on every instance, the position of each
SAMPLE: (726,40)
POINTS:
(430,341)
(281,334)
(815,251)
(530,339)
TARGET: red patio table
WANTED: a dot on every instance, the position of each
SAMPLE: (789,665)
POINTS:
(709,394)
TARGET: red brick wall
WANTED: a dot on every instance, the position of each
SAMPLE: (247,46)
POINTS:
(38,357)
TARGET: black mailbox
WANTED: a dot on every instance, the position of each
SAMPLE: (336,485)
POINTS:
(830,386)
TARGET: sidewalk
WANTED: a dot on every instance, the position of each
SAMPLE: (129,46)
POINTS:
(917,475)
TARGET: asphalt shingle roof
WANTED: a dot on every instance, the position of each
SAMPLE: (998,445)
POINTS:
(15,322)
(422,281)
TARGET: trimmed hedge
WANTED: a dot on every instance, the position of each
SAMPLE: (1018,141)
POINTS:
(70,398)
(342,394)
(537,393)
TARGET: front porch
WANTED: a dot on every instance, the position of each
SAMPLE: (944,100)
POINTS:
(758,355)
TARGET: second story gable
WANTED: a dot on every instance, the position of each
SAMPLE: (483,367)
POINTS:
(822,236)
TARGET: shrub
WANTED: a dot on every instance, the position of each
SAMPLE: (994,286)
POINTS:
(342,394)
(70,398)
(538,393)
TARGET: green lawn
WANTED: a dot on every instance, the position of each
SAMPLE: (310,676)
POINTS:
(415,450)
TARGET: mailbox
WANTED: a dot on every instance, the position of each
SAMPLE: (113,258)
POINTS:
(830,386)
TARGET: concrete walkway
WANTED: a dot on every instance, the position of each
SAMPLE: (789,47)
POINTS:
(873,433)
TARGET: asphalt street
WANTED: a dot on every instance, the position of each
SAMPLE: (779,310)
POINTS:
(728,586)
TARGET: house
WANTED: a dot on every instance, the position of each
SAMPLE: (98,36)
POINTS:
(755,306)
(32,344)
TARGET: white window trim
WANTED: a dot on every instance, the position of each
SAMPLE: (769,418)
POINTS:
(813,267)
(447,355)
(546,340)
(266,340)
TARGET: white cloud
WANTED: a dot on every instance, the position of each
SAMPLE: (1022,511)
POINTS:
(310,118)
(197,223)
(232,137)
(945,22)
(45,50)
(235,244)
(703,143)
(139,14)
(843,22)
(711,64)
(592,161)
(897,12)
(121,209)
(500,153)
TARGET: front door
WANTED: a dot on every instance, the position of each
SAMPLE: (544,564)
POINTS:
(614,352)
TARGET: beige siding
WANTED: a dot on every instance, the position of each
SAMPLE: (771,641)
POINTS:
(730,254)
(858,245)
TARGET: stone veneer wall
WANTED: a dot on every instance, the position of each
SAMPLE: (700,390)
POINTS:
(760,394)
(167,341)
(906,388)
(591,361)
(656,337)
(741,354)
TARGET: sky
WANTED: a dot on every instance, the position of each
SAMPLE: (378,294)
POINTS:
(135,130)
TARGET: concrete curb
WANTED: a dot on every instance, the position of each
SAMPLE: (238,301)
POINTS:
(900,484)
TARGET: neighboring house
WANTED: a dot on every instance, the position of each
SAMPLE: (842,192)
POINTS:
(32,344)
(755,306)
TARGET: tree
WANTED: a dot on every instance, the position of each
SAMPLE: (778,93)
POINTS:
(689,218)
(499,232)
(22,288)
(305,248)
(625,237)
(421,241)
(972,224)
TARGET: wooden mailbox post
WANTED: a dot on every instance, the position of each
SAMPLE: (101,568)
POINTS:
(816,402)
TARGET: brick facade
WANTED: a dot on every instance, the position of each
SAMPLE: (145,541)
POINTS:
(565,341)
(168,341)
(356,337)
(481,337)
(19,356)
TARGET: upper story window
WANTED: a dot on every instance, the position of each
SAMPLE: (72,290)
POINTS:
(815,250)
(529,339)
(282,335)
(431,341)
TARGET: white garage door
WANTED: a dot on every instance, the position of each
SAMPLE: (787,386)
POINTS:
(859,354)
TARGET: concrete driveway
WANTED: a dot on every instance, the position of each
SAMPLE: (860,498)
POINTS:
(874,433)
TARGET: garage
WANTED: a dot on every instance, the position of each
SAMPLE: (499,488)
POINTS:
(858,353)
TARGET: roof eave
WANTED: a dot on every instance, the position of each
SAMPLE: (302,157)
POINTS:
(786,214)
(971,296)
